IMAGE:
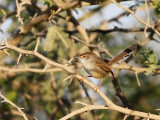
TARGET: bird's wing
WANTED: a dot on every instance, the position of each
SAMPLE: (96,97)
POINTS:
(103,66)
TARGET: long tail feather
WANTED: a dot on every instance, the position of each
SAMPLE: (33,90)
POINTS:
(122,55)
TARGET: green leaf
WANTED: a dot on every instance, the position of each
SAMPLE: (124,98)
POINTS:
(153,58)
(149,59)
(11,95)
(158,64)
(47,91)
(148,71)
(56,33)
(156,5)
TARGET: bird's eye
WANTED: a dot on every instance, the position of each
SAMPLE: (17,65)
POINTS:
(84,56)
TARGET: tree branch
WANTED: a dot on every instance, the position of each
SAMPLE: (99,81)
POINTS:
(65,4)
(115,29)
(138,18)
(109,103)
(27,69)
(13,105)
(85,109)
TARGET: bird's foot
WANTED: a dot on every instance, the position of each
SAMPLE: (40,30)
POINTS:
(84,77)
(96,88)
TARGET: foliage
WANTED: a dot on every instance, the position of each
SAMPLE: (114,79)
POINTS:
(149,59)
(55,33)
(61,37)
(156,4)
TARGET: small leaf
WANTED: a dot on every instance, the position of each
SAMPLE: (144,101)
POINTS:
(11,95)
(50,38)
(148,71)
(153,58)
(152,68)
(149,59)
(56,33)
(156,5)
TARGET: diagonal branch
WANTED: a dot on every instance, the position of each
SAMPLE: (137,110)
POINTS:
(84,109)
(109,103)
(34,70)
(115,29)
(14,105)
(66,4)
(28,26)
(138,18)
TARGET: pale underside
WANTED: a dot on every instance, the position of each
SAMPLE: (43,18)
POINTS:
(95,70)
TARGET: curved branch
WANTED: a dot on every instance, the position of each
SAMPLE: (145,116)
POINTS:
(129,67)
(13,105)
(8,69)
(115,29)
(85,109)
(28,26)
(67,4)
(132,68)
(138,18)
(109,103)
(115,107)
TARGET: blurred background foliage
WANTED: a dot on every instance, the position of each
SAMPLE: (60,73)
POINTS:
(45,95)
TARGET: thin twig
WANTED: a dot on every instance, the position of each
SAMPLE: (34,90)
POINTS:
(125,117)
(27,69)
(138,82)
(13,105)
(20,55)
(109,103)
(148,18)
(115,29)
(68,77)
(138,18)
(82,103)
(84,109)
(38,40)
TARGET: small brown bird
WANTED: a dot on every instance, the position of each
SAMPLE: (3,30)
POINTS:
(98,67)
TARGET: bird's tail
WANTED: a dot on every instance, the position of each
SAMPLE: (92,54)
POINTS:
(122,55)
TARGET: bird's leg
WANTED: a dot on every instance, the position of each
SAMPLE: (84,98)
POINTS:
(96,88)
(84,77)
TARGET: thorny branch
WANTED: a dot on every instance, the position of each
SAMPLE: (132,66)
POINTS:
(109,103)
(138,18)
(59,67)
(115,29)
(14,105)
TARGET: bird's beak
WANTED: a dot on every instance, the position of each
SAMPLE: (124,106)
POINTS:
(76,56)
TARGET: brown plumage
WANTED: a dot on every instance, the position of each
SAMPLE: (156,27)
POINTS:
(98,67)
(122,55)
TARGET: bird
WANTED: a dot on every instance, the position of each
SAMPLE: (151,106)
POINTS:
(97,67)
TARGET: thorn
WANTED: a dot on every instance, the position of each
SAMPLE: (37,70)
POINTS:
(79,102)
(6,52)
(68,77)
(26,54)
(3,101)
(69,62)
(138,82)
(58,10)
(2,47)
(46,67)
(20,55)
(36,48)
(35,118)
(2,43)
